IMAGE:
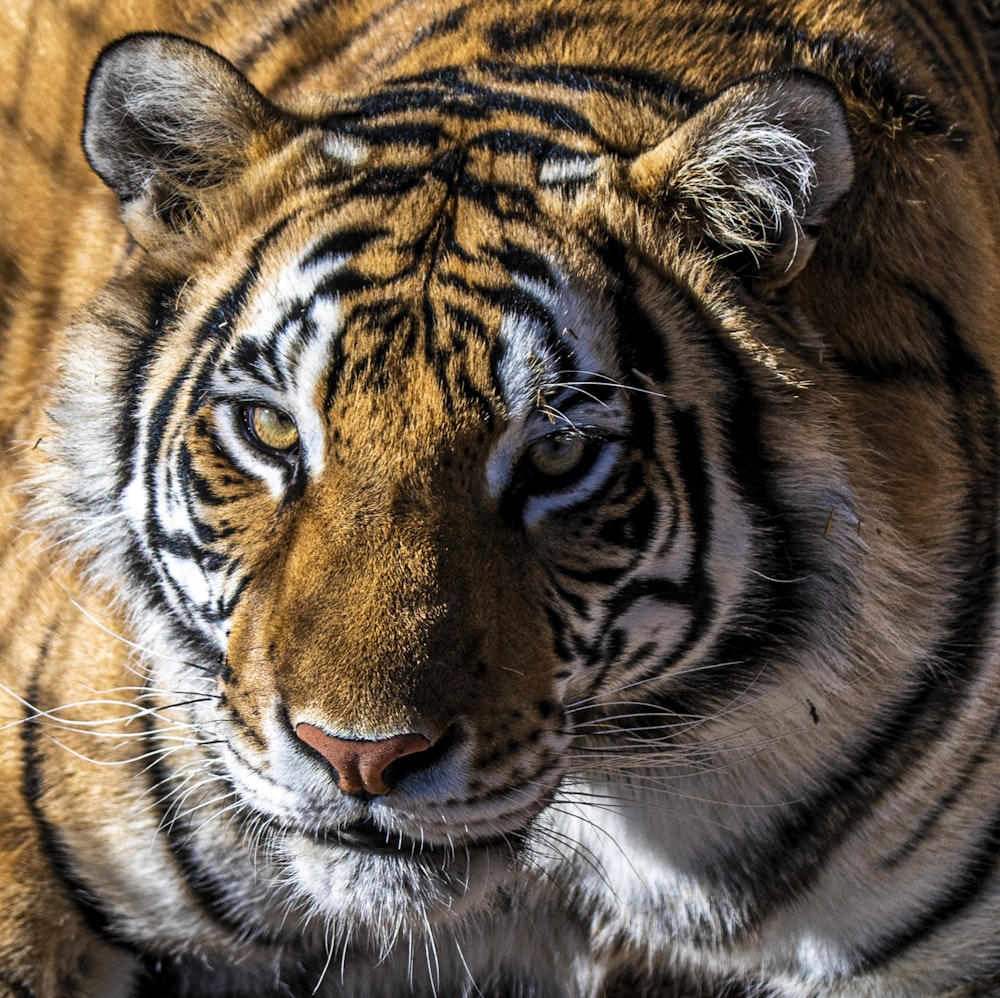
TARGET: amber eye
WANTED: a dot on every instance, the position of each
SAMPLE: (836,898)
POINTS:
(558,456)
(271,430)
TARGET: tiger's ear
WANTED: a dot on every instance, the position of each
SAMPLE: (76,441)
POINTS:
(165,116)
(757,170)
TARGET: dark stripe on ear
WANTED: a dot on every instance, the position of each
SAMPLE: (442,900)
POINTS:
(33,785)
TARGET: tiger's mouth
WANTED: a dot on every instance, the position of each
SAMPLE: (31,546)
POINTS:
(367,836)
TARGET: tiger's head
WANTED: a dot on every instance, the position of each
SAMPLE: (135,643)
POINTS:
(427,417)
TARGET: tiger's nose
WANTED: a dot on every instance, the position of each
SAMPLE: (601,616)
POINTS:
(360,765)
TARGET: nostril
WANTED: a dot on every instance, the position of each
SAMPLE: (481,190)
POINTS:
(360,764)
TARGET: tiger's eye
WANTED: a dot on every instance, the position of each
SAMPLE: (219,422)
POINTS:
(271,429)
(557,455)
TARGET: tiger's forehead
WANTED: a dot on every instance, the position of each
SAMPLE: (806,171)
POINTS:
(503,108)
(451,296)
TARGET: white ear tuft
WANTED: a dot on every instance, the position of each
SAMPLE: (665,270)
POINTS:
(757,169)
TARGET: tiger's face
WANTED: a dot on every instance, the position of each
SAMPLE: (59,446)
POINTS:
(389,471)
(393,481)
(376,485)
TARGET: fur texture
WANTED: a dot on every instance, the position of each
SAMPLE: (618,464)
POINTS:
(499,499)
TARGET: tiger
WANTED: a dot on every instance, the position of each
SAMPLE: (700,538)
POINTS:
(499,499)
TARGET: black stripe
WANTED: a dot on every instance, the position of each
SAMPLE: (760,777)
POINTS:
(974,72)
(508,36)
(441,26)
(259,359)
(786,864)
(449,90)
(297,18)
(424,135)
(624,82)
(634,528)
(394,325)
(468,323)
(565,652)
(216,329)
(192,868)
(33,782)
(973,876)
(520,261)
(345,242)
(786,547)
(641,346)
(867,73)
(513,300)
(387,181)
(18,988)
(960,655)
(736,409)
(513,201)
(162,314)
(913,22)
(696,593)
(960,782)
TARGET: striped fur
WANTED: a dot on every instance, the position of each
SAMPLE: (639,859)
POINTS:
(639,366)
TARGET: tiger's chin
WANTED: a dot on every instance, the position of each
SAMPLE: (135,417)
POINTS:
(386,884)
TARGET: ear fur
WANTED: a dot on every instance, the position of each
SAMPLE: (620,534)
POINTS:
(165,115)
(758,169)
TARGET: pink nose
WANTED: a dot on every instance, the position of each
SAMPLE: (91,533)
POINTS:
(361,765)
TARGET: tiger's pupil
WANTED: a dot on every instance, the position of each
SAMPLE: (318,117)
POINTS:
(557,455)
(271,428)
